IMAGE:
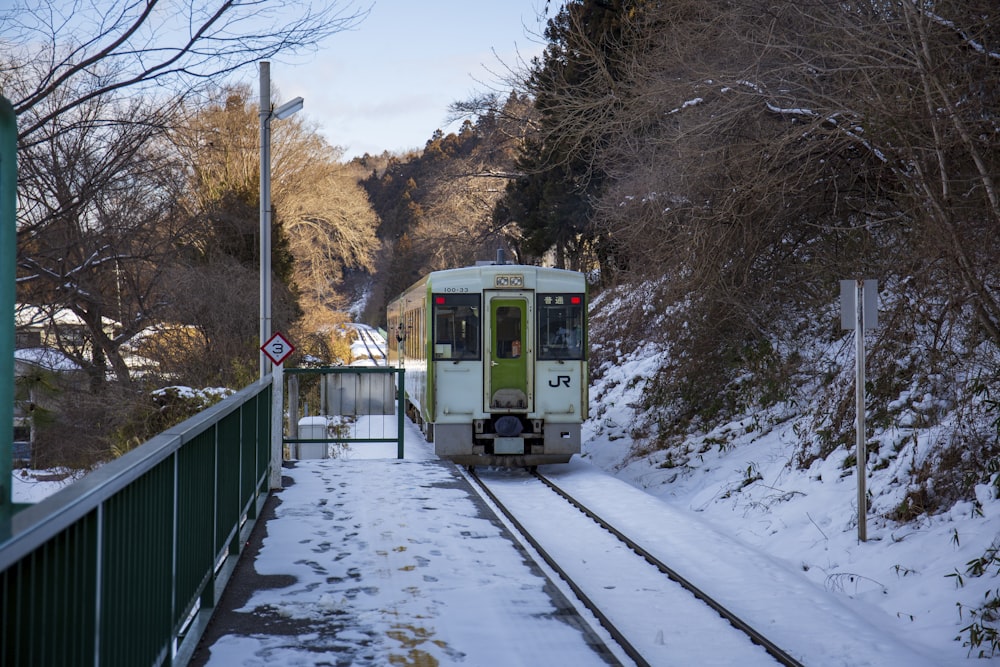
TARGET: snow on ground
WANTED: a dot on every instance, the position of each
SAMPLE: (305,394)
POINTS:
(807,621)
(32,486)
(432,579)
(46,357)
(397,567)
(908,580)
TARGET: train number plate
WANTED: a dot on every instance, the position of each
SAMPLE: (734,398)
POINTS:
(508,446)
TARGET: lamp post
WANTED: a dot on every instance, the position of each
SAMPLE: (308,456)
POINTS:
(266,114)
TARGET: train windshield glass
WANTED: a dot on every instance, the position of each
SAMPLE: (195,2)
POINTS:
(561,333)
(456,326)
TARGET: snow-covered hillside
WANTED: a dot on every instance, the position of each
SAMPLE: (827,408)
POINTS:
(918,579)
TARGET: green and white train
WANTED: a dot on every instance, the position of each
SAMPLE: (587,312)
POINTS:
(496,362)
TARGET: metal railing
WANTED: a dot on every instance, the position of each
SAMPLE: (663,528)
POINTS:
(367,397)
(125,566)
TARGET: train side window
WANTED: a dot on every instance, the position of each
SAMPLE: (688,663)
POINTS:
(456,327)
(561,326)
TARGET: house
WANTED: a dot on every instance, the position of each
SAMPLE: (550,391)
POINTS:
(40,375)
(39,326)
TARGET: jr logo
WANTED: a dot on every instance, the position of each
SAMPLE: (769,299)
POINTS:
(559,380)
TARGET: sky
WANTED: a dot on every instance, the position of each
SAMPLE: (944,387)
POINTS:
(387,84)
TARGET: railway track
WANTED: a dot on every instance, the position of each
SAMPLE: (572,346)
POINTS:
(373,349)
(653,613)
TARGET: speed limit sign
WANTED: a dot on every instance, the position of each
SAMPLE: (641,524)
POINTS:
(277,348)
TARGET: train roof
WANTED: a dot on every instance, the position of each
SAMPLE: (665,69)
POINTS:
(486,276)
(493,269)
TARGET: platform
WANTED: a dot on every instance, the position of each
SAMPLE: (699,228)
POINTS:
(379,562)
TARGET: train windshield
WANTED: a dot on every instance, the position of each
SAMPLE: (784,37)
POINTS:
(456,327)
(561,326)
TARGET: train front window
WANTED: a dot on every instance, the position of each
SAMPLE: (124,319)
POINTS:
(561,326)
(456,327)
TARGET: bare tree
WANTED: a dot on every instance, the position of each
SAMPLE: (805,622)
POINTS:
(757,135)
(95,231)
(324,226)
(102,48)
(756,153)
(95,85)
(330,223)
(468,174)
(469,190)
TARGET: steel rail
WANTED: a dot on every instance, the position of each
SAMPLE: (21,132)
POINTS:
(615,633)
(756,637)
(365,336)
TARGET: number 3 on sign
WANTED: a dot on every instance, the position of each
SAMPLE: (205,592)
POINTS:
(277,349)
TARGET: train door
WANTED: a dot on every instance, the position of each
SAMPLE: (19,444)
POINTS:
(508,374)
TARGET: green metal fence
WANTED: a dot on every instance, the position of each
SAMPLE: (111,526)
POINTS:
(367,399)
(124,566)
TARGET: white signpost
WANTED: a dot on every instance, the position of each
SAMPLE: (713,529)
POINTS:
(277,350)
(852,293)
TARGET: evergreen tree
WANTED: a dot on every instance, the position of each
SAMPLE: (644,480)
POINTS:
(552,199)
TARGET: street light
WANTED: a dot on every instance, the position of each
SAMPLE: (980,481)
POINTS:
(288,108)
(266,113)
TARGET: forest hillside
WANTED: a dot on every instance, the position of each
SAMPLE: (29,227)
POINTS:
(724,166)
